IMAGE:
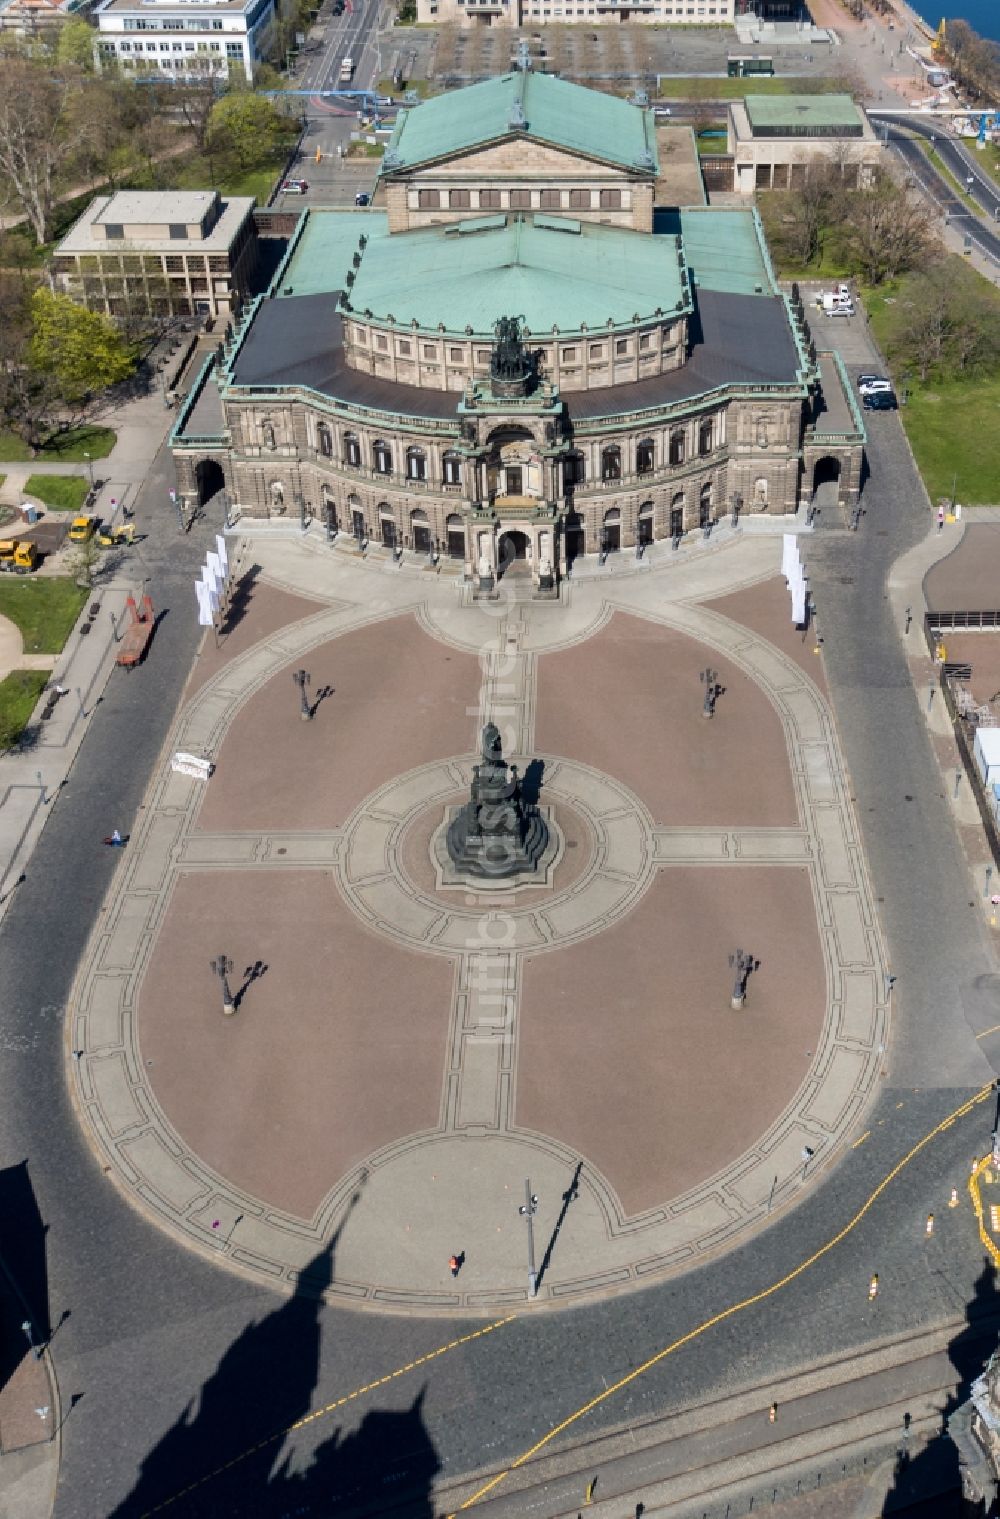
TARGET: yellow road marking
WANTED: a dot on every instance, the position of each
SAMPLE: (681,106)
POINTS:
(977,1203)
(986,1031)
(748,1302)
(861,1141)
(350,1397)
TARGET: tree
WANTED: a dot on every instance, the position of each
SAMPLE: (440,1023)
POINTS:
(82,351)
(890,230)
(247,126)
(36,136)
(75,44)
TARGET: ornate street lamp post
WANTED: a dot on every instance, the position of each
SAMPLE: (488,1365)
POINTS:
(222,967)
(302,679)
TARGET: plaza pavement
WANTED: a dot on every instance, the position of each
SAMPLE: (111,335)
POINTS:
(403,1054)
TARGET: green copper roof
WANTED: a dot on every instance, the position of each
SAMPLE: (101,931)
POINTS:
(724,249)
(324,247)
(549,271)
(792,113)
(537,106)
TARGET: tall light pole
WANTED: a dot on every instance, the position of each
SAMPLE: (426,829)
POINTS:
(90,468)
(222,967)
(527,1211)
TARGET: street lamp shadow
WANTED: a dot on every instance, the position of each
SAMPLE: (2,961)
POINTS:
(252,973)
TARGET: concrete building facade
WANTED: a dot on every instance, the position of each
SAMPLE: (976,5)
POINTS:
(169,40)
(160,252)
(517,13)
(666,380)
(776,142)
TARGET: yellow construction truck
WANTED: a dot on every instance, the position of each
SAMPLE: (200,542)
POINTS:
(19,556)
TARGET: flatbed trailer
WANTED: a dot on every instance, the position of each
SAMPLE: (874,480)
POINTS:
(135,639)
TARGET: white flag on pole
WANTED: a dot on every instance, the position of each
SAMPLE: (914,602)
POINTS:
(223,552)
(204,604)
(216,566)
(798,590)
(210,578)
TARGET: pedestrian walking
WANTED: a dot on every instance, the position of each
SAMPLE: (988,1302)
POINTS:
(455,1263)
(115,840)
(940,518)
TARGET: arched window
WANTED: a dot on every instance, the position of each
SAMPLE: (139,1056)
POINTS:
(455,530)
(387,525)
(611,463)
(452,469)
(352,450)
(644,455)
(574,471)
(611,531)
(382,456)
(677,515)
(420,532)
(705,437)
(760,490)
(329,509)
(705,505)
(644,523)
(277,496)
(677,447)
(324,438)
(416,464)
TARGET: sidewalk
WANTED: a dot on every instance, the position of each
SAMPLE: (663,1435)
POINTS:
(29,1417)
(31,776)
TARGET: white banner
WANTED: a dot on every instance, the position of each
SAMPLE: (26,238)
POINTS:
(213,585)
(190,764)
(798,590)
(218,569)
(223,553)
(204,603)
(789,556)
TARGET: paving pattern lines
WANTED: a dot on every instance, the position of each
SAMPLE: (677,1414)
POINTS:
(185,1194)
(489,1487)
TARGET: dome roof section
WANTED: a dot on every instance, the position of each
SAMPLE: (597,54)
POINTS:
(524,104)
(552,271)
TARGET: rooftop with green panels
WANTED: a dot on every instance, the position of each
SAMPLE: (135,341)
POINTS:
(322,249)
(540,107)
(552,271)
(803,115)
(724,250)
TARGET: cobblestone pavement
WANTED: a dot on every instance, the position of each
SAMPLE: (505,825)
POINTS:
(474,1046)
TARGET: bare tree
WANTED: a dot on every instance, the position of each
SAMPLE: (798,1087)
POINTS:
(890,229)
(36,136)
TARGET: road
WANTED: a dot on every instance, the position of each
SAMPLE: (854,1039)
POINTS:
(180,1368)
(951,205)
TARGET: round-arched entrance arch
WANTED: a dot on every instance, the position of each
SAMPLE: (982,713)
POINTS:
(826,481)
(512,552)
(210,479)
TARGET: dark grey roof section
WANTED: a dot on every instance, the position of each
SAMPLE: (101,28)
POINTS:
(298,340)
(206,417)
(737,339)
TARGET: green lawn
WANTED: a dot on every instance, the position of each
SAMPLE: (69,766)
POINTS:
(950,179)
(67,447)
(18,695)
(952,428)
(63,493)
(44,610)
(724,88)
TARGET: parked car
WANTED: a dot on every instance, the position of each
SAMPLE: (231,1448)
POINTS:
(879,400)
(294,187)
(82,529)
(869,384)
(362,198)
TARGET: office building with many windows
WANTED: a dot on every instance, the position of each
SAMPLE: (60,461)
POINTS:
(185,39)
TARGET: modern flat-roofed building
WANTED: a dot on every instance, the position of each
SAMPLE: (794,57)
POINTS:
(515,13)
(185,39)
(164,252)
(775,140)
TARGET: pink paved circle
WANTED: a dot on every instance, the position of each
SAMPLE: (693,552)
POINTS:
(400,699)
(337,1050)
(628,701)
(629,1051)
